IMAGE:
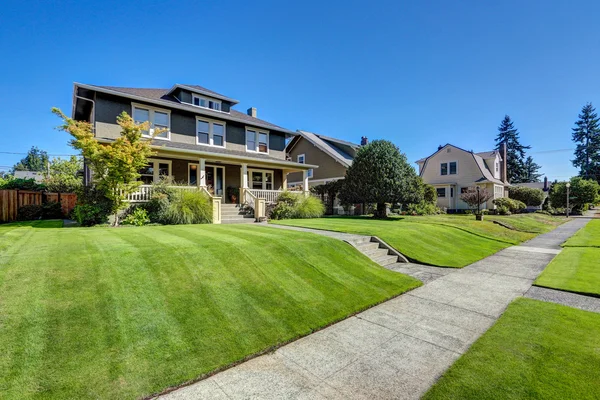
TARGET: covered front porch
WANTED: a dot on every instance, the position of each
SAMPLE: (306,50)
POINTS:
(234,180)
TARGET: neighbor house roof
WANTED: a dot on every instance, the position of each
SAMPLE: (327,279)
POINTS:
(489,154)
(164,98)
(325,144)
(479,160)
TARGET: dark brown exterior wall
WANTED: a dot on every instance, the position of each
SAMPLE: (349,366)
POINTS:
(328,167)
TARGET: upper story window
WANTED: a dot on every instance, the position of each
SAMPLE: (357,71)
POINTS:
(257,140)
(206,103)
(159,120)
(449,168)
(210,133)
(497,166)
(301,158)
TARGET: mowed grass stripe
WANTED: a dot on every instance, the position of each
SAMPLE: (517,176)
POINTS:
(124,313)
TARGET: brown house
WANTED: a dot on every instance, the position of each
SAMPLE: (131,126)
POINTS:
(333,156)
(207,145)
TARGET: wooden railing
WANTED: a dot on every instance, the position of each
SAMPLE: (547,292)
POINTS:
(270,196)
(144,193)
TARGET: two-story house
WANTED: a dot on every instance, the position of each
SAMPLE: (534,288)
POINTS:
(333,156)
(205,142)
(452,170)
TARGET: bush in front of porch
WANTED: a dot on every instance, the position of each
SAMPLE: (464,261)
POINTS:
(296,205)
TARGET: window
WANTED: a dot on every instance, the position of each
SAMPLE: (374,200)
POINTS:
(464,190)
(200,101)
(155,170)
(301,158)
(449,168)
(310,173)
(159,120)
(451,192)
(444,169)
(260,179)
(441,192)
(497,166)
(210,133)
(257,140)
(453,168)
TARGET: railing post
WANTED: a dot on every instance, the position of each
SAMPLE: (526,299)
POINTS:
(216,210)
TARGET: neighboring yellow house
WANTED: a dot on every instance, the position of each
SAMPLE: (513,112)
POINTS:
(452,170)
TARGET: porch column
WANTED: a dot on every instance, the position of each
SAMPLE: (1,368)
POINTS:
(244,179)
(285,179)
(202,172)
(305,181)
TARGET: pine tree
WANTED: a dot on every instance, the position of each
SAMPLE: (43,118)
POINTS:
(515,151)
(586,135)
(531,171)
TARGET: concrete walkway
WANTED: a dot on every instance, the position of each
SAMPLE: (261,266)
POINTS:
(395,350)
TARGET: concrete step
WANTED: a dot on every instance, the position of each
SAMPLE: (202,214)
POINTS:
(386,260)
(376,253)
(367,246)
(234,212)
(238,221)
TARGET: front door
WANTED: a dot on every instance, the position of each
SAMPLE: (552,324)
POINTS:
(215,180)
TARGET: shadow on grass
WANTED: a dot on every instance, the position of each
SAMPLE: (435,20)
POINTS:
(39,224)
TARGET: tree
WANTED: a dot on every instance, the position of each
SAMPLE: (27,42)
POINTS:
(64,175)
(35,160)
(475,198)
(429,194)
(586,135)
(381,174)
(530,196)
(115,166)
(515,151)
(530,170)
(581,193)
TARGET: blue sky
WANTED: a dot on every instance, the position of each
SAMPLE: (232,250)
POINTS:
(417,73)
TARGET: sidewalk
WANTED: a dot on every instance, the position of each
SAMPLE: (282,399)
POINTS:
(395,350)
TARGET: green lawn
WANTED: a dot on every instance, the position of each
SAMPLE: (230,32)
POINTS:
(441,240)
(577,267)
(126,312)
(536,350)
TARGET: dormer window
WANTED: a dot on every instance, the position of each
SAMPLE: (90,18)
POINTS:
(200,101)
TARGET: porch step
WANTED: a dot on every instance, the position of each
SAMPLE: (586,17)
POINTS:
(237,220)
(366,246)
(386,260)
(376,253)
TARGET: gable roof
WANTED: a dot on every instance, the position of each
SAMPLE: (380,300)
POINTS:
(479,161)
(164,98)
(326,145)
(202,90)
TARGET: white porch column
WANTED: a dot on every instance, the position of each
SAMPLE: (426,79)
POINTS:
(305,180)
(202,172)
(285,179)
(245,176)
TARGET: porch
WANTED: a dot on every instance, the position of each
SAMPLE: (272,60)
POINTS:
(253,184)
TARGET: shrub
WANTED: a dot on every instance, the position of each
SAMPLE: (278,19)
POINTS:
(138,217)
(52,210)
(22,184)
(157,208)
(430,195)
(503,210)
(512,205)
(189,207)
(296,205)
(92,207)
(29,212)
(310,207)
(582,192)
(530,196)
(423,208)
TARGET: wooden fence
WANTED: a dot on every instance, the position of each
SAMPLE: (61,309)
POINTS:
(11,200)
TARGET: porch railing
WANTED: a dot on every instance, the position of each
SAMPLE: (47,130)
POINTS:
(144,193)
(270,196)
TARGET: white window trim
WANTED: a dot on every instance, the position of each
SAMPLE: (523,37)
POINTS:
(257,130)
(155,162)
(151,111)
(440,197)
(303,159)
(210,132)
(264,181)
(448,167)
(207,99)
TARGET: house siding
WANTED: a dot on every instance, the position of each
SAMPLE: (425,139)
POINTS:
(328,167)
(183,126)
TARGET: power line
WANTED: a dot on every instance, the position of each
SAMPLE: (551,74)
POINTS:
(53,155)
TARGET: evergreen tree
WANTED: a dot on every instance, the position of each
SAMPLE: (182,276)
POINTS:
(515,151)
(36,160)
(530,170)
(586,135)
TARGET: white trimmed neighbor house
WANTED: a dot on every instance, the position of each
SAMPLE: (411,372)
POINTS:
(452,170)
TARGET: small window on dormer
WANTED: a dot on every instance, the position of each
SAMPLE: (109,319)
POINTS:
(200,101)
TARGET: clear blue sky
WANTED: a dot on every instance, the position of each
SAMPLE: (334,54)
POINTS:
(419,73)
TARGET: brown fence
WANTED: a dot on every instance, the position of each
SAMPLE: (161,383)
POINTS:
(11,200)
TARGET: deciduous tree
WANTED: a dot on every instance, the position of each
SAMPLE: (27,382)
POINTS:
(581,193)
(115,166)
(475,198)
(64,176)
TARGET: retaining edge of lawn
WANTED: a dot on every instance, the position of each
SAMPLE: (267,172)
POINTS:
(588,294)
(274,347)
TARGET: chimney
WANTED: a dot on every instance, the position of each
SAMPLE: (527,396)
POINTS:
(504,160)
(252,112)
(440,147)
(545,184)
(364,141)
